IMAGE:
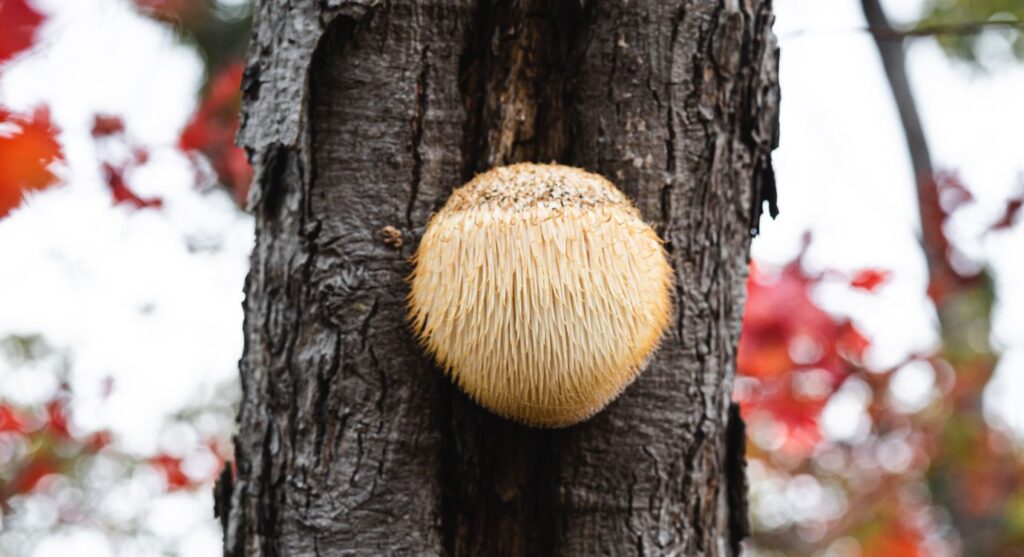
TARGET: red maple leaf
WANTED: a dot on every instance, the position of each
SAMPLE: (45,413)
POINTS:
(211,131)
(870,279)
(26,152)
(19,22)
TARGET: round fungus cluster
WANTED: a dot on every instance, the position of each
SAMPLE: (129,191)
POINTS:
(541,291)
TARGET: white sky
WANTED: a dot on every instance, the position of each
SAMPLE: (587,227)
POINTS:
(122,292)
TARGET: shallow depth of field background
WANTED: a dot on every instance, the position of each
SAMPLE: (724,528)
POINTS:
(121,290)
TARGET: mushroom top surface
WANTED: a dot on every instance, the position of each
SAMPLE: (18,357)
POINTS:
(526,185)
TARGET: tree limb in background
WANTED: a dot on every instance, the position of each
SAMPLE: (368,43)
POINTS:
(891,49)
(974,472)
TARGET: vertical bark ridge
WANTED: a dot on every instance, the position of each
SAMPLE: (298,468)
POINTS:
(339,426)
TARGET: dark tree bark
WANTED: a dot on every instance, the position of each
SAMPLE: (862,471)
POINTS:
(361,115)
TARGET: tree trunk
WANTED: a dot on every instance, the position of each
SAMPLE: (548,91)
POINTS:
(361,115)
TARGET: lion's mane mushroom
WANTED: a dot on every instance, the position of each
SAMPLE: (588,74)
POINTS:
(541,291)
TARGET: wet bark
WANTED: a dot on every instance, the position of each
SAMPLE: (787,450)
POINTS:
(361,116)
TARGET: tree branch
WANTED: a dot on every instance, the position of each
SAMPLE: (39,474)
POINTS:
(956,28)
(890,49)
(892,34)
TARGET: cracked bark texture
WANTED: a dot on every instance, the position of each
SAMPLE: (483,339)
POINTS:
(361,115)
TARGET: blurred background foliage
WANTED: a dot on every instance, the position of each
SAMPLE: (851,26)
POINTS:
(54,476)
(1004,18)
(928,473)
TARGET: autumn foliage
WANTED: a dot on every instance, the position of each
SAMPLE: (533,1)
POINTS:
(932,478)
(20,23)
(44,444)
(211,132)
(28,142)
(39,444)
(44,452)
(793,353)
(28,150)
(793,359)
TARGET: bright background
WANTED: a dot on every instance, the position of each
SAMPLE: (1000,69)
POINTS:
(143,307)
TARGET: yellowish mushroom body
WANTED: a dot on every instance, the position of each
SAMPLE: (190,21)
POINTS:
(541,291)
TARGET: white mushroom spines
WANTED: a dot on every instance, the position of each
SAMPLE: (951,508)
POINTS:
(541,291)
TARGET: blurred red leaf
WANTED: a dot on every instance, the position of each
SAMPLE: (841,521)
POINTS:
(103,125)
(27,477)
(211,131)
(799,353)
(851,343)
(123,194)
(942,194)
(1013,207)
(784,329)
(9,420)
(51,447)
(951,191)
(19,22)
(26,153)
(894,540)
(140,155)
(98,441)
(57,419)
(796,413)
(170,467)
(870,279)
